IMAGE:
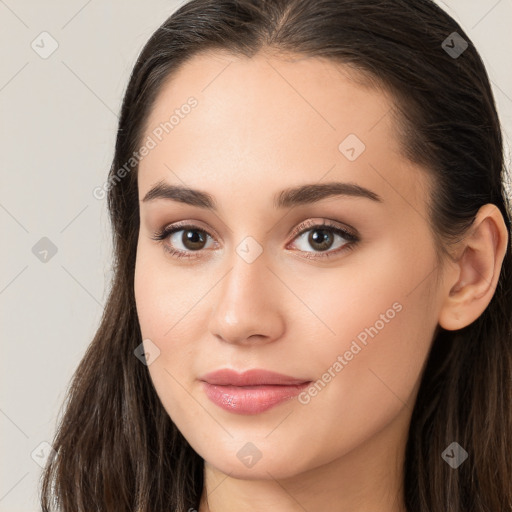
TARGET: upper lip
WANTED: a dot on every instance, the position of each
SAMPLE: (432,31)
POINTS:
(254,377)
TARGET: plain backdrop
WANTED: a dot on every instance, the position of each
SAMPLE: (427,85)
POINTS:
(58,125)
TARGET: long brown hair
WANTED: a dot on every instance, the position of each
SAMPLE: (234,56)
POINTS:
(117,448)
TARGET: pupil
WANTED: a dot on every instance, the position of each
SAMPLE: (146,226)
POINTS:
(193,237)
(322,240)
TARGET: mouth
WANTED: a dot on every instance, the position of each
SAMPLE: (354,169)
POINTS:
(250,392)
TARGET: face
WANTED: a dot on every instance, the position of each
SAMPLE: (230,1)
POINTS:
(330,287)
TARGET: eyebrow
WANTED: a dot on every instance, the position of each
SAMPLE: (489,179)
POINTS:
(303,194)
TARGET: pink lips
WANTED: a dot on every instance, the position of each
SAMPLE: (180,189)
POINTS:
(250,392)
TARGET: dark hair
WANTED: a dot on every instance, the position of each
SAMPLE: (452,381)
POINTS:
(117,448)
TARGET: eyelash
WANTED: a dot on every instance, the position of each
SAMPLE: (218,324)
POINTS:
(304,227)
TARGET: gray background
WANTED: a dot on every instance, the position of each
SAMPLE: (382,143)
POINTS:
(58,125)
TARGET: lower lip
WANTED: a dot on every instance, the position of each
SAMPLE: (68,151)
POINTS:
(250,399)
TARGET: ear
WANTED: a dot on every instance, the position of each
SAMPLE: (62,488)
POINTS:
(473,276)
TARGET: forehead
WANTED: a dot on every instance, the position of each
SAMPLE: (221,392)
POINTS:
(271,122)
(328,97)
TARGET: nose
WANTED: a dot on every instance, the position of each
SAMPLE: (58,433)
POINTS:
(248,307)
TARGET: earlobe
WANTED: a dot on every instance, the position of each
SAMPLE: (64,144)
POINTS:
(472,280)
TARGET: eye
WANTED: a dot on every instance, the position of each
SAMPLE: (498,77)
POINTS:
(193,239)
(321,237)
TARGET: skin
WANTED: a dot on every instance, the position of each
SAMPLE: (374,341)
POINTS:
(262,125)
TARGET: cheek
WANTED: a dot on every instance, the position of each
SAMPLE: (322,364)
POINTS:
(171,316)
(164,295)
(383,296)
(369,369)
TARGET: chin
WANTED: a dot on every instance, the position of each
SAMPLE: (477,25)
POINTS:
(278,465)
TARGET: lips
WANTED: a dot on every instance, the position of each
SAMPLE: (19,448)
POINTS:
(250,392)
(255,377)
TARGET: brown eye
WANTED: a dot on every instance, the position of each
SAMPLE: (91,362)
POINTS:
(193,239)
(322,237)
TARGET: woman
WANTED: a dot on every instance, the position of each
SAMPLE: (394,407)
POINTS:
(311,305)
